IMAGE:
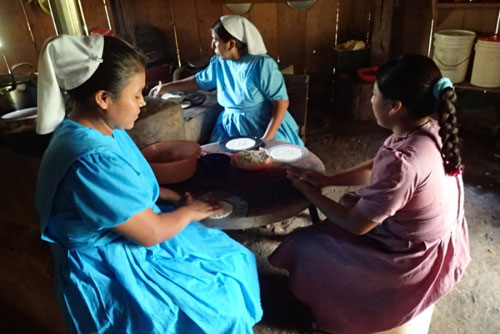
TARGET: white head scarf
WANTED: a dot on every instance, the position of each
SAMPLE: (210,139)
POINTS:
(65,62)
(246,32)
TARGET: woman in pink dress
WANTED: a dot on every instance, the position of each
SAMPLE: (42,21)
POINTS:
(400,243)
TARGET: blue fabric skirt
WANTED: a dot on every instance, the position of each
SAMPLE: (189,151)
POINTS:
(253,122)
(200,281)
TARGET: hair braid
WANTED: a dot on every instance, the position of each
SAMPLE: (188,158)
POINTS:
(447,117)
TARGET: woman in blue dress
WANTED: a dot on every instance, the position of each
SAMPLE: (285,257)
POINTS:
(249,85)
(125,265)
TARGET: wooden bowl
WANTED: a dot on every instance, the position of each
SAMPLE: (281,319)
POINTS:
(172,161)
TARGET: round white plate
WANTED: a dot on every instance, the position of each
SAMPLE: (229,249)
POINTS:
(287,153)
(19,115)
(240,144)
(226,210)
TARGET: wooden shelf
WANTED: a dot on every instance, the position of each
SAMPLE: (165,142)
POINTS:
(469,86)
(466,5)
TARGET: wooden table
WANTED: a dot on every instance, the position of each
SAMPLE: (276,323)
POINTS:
(258,197)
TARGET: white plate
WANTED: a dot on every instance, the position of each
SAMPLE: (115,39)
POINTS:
(240,144)
(227,209)
(287,153)
(173,97)
(20,115)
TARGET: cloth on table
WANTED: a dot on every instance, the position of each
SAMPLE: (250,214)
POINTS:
(246,88)
(200,281)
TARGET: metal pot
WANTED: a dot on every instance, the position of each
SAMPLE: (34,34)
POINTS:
(17,91)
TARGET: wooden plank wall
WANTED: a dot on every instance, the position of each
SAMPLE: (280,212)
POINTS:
(18,45)
(291,36)
(475,19)
(300,38)
(303,39)
(411,25)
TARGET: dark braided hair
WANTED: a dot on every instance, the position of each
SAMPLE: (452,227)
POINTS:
(411,79)
(224,35)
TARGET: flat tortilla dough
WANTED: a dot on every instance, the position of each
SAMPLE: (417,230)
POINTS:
(286,153)
(240,143)
(227,209)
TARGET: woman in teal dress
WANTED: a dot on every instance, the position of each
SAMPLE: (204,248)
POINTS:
(125,265)
(249,85)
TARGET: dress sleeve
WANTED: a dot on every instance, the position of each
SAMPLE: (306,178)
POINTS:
(392,185)
(106,191)
(272,84)
(207,78)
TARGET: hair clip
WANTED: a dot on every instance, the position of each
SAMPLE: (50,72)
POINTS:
(455,172)
(440,86)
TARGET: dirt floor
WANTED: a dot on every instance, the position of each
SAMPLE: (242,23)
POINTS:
(26,289)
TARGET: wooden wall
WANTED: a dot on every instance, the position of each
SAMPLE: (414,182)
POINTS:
(476,19)
(303,39)
(19,45)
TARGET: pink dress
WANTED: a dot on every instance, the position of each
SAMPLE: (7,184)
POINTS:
(415,256)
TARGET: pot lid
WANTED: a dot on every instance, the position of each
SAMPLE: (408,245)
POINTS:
(489,37)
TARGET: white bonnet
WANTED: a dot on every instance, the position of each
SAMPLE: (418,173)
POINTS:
(244,30)
(65,62)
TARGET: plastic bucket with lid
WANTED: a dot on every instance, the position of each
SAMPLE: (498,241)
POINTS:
(486,67)
(452,50)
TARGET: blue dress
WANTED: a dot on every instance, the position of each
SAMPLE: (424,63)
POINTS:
(200,281)
(246,88)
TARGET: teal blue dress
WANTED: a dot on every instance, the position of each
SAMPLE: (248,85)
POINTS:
(246,88)
(200,281)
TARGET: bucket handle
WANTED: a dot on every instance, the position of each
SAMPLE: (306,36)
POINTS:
(460,63)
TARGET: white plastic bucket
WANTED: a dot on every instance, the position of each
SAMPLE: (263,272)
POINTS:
(452,50)
(486,67)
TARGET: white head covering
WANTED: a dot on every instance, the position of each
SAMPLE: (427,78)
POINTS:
(246,32)
(65,62)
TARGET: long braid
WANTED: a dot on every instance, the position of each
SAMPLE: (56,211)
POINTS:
(447,118)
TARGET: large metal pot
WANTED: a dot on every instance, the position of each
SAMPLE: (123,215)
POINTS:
(17,91)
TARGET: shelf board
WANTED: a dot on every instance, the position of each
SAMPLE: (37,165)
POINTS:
(467,5)
(468,86)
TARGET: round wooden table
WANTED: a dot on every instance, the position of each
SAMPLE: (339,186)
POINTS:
(258,197)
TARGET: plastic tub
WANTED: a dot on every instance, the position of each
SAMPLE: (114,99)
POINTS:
(486,67)
(452,50)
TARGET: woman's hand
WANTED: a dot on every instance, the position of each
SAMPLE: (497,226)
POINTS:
(200,210)
(155,91)
(185,85)
(316,179)
(149,228)
(303,186)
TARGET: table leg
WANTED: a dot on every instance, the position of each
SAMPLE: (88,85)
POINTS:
(313,212)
